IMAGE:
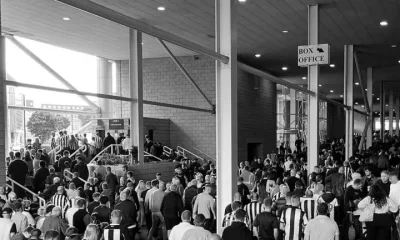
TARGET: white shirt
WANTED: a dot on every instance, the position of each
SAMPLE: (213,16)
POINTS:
(321,227)
(395,193)
(126,144)
(69,215)
(179,230)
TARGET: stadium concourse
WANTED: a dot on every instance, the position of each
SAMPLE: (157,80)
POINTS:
(186,120)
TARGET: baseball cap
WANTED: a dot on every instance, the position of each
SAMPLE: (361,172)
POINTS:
(7,211)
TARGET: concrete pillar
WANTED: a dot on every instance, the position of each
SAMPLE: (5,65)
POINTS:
(371,103)
(313,101)
(136,91)
(391,113)
(382,109)
(104,85)
(293,117)
(348,99)
(226,107)
(3,110)
(397,115)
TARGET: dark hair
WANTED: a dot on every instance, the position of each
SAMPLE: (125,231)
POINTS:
(378,195)
(322,208)
(199,219)
(65,152)
(357,181)
(81,203)
(103,199)
(42,164)
(51,234)
(240,214)
(17,154)
(154,182)
(268,202)
(236,205)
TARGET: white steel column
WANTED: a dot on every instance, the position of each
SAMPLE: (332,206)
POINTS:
(136,90)
(226,106)
(313,101)
(104,86)
(397,115)
(371,103)
(391,113)
(293,118)
(348,99)
(3,110)
(382,110)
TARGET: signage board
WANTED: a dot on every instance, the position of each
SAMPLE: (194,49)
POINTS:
(116,124)
(313,55)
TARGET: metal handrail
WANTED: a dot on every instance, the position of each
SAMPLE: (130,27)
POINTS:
(102,151)
(80,148)
(184,151)
(204,153)
(54,150)
(146,154)
(66,172)
(42,202)
(167,150)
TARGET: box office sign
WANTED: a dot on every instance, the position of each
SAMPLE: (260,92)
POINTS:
(116,124)
(313,55)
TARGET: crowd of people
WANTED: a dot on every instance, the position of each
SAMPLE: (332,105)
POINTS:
(276,199)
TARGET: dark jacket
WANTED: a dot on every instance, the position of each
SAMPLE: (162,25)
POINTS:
(337,182)
(108,141)
(188,195)
(129,212)
(383,162)
(39,179)
(82,170)
(112,181)
(172,205)
(51,190)
(237,230)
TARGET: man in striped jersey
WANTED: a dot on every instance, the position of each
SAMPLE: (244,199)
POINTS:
(60,200)
(98,142)
(309,205)
(293,220)
(115,231)
(253,209)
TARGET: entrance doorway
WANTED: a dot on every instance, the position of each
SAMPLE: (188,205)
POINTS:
(254,150)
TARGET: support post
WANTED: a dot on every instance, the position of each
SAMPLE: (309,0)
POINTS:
(363,92)
(364,134)
(136,91)
(293,118)
(397,115)
(313,101)
(371,103)
(104,86)
(382,110)
(391,113)
(226,103)
(348,98)
(3,109)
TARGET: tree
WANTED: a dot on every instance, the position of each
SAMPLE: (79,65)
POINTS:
(85,119)
(44,123)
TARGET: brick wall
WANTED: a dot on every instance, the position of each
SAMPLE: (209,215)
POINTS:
(164,82)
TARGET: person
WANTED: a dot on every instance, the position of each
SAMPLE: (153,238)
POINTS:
(69,214)
(293,220)
(127,144)
(380,226)
(238,229)
(60,200)
(352,196)
(92,232)
(95,203)
(253,209)
(129,214)
(108,140)
(384,182)
(266,225)
(72,143)
(171,208)
(7,227)
(229,218)
(102,210)
(36,145)
(156,199)
(148,144)
(24,235)
(115,231)
(367,180)
(383,161)
(81,218)
(63,160)
(55,222)
(188,194)
(111,180)
(81,168)
(205,204)
(247,178)
(17,170)
(309,205)
(20,220)
(147,200)
(197,232)
(321,227)
(141,187)
(179,230)
(40,177)
(52,234)
(98,142)
(243,190)
(101,171)
(49,179)
(36,161)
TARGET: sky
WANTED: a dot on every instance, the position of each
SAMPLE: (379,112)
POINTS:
(77,68)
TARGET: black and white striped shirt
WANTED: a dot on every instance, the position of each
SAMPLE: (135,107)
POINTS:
(60,200)
(98,142)
(113,232)
(253,209)
(276,197)
(62,142)
(309,206)
(294,220)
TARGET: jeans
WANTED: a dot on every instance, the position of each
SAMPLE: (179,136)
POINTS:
(157,222)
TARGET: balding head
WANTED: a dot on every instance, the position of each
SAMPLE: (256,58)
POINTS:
(293,173)
(194,182)
(186,216)
(56,180)
(123,195)
(56,212)
(173,188)
(309,193)
(161,186)
(237,197)
(60,189)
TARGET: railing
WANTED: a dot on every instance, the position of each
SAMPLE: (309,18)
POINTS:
(146,154)
(83,148)
(167,150)
(183,151)
(53,153)
(204,154)
(105,149)
(69,175)
(42,202)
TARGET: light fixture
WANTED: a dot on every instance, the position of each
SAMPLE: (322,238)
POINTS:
(377,99)
(356,103)
(304,78)
(387,105)
(362,106)
(332,65)
(399,61)
(242,1)
(285,31)
(320,85)
(366,89)
(66,18)
(376,112)
(331,91)
(383,23)
(341,96)
(357,83)
(394,45)
(142,43)
(284,68)
(161,8)
(257,55)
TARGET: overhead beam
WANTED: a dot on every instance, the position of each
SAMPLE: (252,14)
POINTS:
(49,69)
(362,85)
(114,16)
(53,110)
(183,70)
(364,134)
(177,106)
